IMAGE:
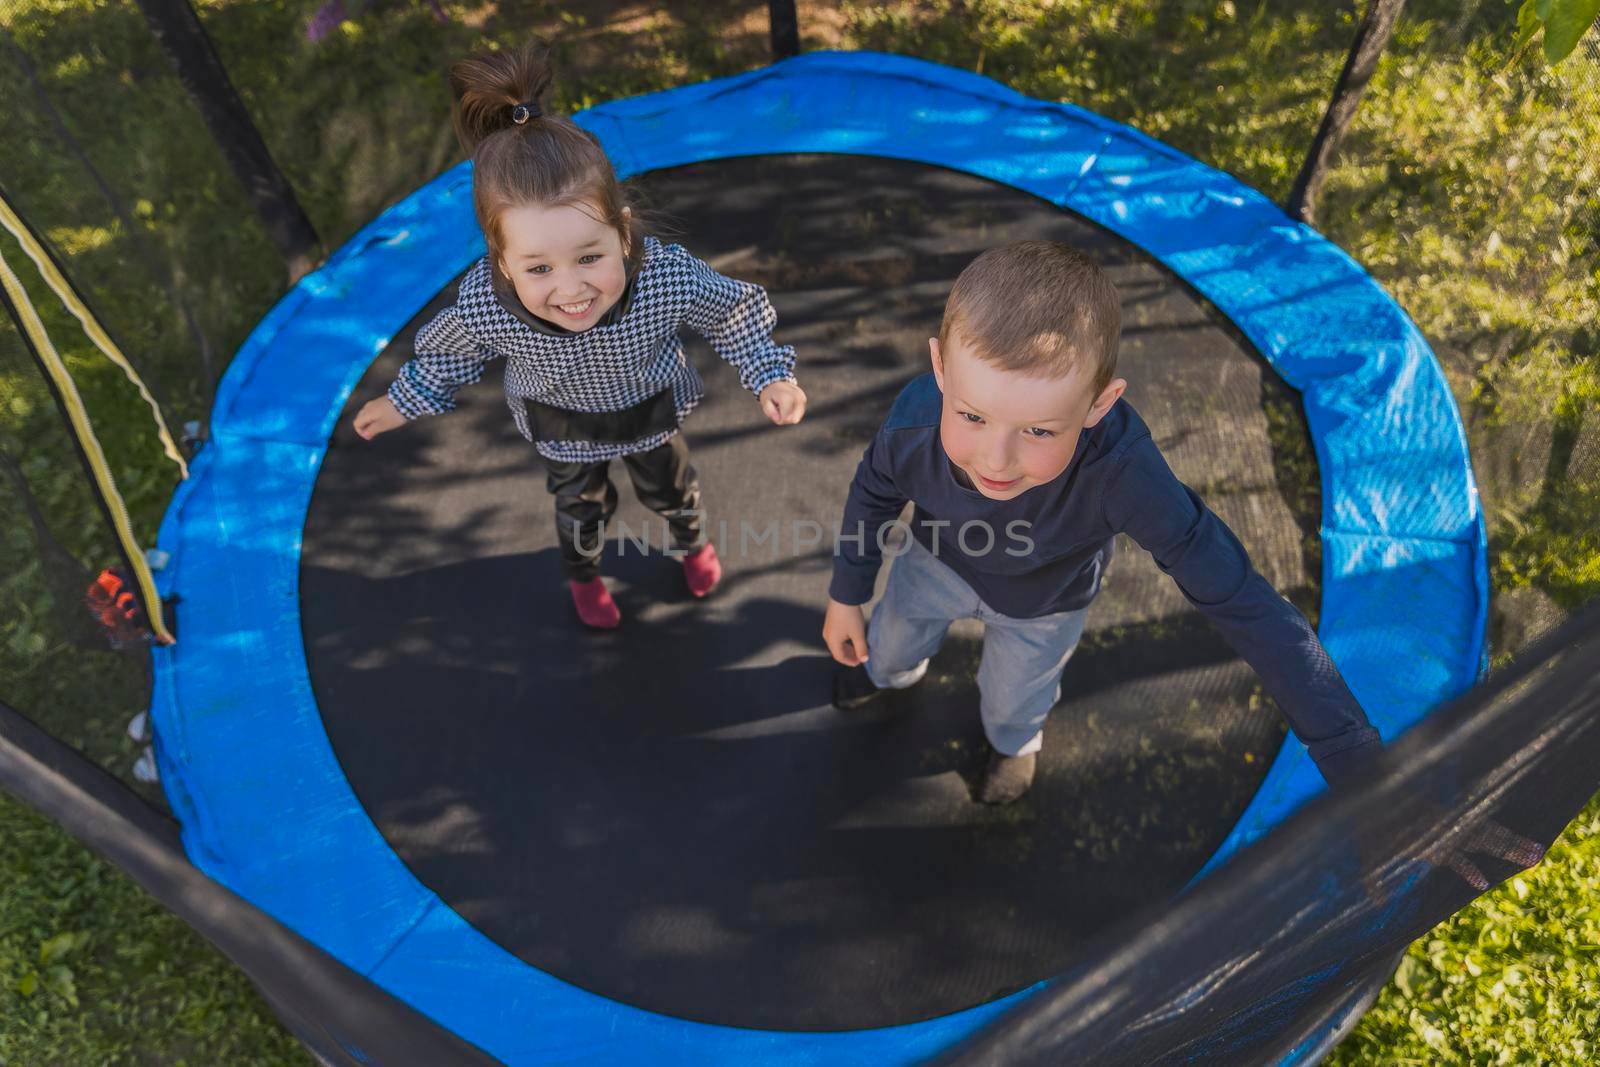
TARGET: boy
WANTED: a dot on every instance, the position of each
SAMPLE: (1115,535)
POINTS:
(1024,462)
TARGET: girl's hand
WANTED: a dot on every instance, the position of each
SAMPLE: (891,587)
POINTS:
(784,403)
(844,629)
(378,416)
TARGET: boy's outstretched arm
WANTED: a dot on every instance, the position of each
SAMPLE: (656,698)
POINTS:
(1203,556)
(1196,548)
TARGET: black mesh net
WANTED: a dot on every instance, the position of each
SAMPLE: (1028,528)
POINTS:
(100,161)
(110,164)
(83,680)
(1244,965)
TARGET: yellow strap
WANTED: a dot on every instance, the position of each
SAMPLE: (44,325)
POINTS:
(12,222)
(68,391)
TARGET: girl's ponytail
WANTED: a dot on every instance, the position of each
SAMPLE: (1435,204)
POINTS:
(522,154)
(494,90)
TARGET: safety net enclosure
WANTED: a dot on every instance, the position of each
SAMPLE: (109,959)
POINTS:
(286,602)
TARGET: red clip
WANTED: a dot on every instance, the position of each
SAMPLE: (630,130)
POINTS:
(114,604)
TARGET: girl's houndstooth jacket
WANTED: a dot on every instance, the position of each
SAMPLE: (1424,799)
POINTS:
(612,370)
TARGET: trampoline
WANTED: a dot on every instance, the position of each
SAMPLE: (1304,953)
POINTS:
(382,725)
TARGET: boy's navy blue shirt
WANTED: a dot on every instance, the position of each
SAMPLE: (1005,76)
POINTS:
(1046,550)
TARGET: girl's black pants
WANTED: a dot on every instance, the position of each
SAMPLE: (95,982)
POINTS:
(664,481)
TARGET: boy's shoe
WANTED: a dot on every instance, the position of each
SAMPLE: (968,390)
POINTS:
(595,607)
(702,570)
(853,688)
(1006,778)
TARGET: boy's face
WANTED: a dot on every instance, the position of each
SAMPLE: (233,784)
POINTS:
(565,264)
(1007,431)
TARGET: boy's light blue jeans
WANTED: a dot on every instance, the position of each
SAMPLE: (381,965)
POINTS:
(1019,677)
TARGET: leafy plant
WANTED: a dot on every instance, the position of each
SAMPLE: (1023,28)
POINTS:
(1563,23)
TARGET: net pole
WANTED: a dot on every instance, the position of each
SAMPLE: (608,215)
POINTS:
(785,28)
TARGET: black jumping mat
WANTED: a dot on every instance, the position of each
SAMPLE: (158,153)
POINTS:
(671,814)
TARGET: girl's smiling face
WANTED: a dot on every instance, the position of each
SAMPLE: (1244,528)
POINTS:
(566,265)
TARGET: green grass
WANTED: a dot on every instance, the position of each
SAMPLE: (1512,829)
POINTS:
(94,972)
(1509,979)
(1468,187)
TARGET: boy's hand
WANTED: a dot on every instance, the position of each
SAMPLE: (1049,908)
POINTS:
(784,403)
(845,632)
(378,416)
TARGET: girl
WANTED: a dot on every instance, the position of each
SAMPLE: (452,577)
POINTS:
(585,308)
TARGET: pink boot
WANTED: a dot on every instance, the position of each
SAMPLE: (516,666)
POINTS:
(702,570)
(595,606)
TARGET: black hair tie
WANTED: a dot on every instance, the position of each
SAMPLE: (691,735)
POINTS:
(523,112)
